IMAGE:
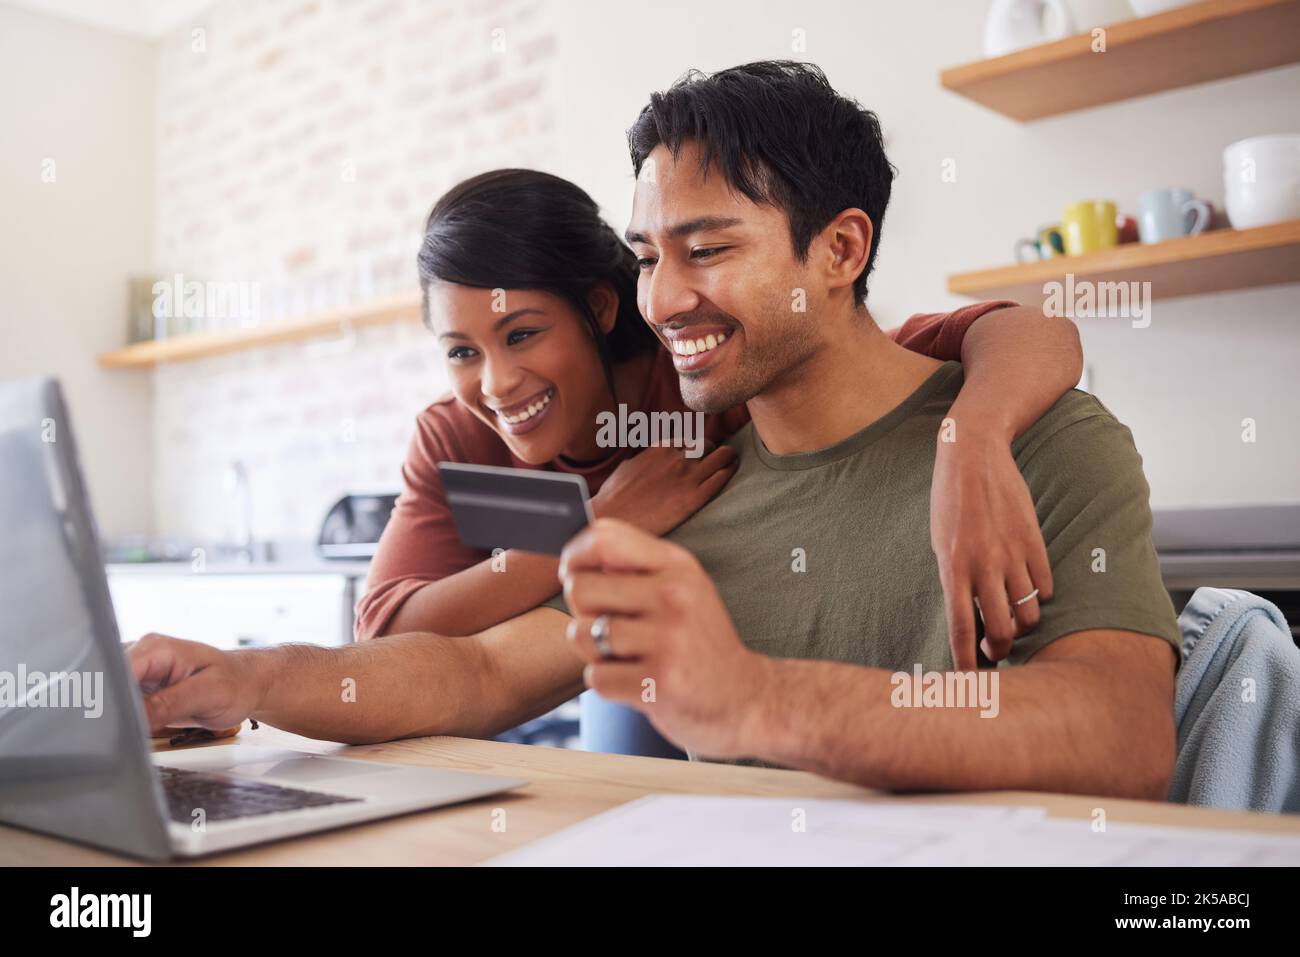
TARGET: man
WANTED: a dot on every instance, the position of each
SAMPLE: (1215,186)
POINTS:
(773,624)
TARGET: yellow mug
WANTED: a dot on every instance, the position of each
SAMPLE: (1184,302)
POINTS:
(1088,226)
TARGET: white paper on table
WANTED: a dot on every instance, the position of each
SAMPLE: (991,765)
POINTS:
(1068,842)
(689,830)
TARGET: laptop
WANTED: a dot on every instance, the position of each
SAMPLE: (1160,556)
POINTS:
(75,756)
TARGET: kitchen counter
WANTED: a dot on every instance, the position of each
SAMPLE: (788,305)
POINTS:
(1252,570)
(230,604)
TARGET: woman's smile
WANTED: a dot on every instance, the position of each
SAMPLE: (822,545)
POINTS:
(520,417)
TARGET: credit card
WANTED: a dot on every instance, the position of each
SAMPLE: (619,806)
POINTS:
(528,509)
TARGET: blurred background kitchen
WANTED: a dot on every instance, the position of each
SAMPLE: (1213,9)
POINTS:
(283,155)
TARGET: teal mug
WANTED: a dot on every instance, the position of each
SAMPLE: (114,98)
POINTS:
(1049,242)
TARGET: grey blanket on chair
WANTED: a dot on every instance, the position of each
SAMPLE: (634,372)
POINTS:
(1237,705)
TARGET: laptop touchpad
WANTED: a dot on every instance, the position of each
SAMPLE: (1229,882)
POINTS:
(309,770)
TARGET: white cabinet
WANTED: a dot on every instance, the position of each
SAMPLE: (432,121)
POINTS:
(234,610)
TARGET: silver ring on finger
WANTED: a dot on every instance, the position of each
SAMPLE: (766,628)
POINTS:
(1030,597)
(600,636)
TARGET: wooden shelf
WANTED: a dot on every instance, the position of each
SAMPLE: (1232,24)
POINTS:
(1211,262)
(183,348)
(1177,48)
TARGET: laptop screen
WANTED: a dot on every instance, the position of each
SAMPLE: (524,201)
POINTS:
(73,754)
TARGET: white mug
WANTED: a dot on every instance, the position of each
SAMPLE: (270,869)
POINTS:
(1147,8)
(1261,180)
(1015,24)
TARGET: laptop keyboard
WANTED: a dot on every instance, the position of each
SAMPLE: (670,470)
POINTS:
(224,800)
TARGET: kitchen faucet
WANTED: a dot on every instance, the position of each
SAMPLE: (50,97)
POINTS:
(241,493)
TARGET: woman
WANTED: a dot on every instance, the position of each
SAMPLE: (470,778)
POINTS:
(532,298)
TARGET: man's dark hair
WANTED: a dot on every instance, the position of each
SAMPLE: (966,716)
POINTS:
(779,134)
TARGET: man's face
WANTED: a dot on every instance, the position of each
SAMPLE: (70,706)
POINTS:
(719,282)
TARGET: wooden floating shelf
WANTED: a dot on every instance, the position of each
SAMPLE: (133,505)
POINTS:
(1180,47)
(200,345)
(1211,262)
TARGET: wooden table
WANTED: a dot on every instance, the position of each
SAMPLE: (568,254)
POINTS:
(568,786)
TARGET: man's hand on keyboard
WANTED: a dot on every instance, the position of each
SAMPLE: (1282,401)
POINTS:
(190,684)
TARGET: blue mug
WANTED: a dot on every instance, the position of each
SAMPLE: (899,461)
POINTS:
(617,729)
(1171,213)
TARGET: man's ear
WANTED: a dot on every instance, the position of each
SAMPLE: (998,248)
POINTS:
(603,301)
(848,244)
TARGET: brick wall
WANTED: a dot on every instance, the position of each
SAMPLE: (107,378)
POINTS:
(299,147)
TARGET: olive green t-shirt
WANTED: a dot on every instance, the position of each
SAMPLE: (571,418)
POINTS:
(827,554)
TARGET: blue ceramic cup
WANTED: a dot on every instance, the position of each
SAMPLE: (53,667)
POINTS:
(1171,213)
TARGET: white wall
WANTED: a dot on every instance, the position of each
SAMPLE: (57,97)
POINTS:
(83,98)
(300,148)
(1183,385)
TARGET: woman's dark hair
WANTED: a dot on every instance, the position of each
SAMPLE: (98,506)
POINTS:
(780,135)
(523,229)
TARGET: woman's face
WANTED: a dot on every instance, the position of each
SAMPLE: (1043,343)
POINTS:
(525,363)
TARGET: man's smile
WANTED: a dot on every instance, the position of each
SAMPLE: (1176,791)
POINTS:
(697,347)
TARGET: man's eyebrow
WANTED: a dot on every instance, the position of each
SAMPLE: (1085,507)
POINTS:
(496,326)
(698,225)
